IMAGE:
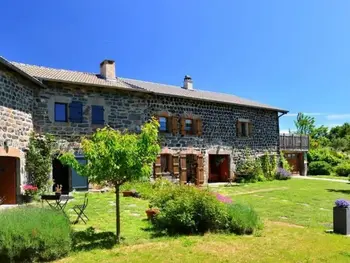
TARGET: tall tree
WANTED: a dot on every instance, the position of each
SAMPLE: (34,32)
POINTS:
(116,157)
(304,124)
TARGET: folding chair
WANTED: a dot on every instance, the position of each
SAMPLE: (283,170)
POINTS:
(79,210)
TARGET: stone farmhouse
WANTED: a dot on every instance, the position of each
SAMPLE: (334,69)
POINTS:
(203,134)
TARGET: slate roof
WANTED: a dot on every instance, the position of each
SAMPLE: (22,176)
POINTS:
(92,79)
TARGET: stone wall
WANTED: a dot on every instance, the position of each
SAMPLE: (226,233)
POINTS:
(129,110)
(16,107)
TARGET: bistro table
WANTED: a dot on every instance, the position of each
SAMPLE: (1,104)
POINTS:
(56,201)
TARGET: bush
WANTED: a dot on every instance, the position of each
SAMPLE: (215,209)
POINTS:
(269,165)
(320,168)
(283,174)
(242,219)
(343,169)
(326,155)
(32,234)
(188,210)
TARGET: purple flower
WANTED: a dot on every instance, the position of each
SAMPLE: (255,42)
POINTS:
(223,199)
(282,173)
(342,203)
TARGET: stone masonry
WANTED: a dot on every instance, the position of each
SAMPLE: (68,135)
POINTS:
(24,108)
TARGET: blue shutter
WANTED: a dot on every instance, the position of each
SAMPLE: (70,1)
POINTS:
(97,114)
(76,112)
(78,181)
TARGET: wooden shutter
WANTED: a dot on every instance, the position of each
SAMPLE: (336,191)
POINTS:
(182,126)
(250,129)
(174,125)
(76,111)
(97,114)
(176,165)
(169,124)
(198,127)
(183,171)
(157,171)
(200,170)
(238,129)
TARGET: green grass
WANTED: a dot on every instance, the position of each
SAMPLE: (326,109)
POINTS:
(296,215)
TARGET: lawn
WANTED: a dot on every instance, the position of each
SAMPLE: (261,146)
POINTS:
(296,215)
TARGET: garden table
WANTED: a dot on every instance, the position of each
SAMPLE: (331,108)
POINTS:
(56,201)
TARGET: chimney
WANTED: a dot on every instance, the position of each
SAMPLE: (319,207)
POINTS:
(188,83)
(107,69)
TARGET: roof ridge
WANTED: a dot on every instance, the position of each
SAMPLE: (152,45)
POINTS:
(149,82)
(51,68)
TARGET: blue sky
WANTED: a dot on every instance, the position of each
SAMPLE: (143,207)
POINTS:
(290,54)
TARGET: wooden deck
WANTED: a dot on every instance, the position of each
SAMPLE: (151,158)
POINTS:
(294,142)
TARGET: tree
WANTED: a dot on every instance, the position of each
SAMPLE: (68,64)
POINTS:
(304,124)
(39,159)
(117,157)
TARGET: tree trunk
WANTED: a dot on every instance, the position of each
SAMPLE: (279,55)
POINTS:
(117,213)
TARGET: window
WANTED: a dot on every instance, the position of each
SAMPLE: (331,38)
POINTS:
(60,112)
(163,122)
(188,126)
(97,114)
(244,128)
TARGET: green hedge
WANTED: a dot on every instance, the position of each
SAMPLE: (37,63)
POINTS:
(343,169)
(188,210)
(33,234)
(319,168)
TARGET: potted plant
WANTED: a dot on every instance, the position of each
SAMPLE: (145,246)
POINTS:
(341,217)
(29,192)
(151,212)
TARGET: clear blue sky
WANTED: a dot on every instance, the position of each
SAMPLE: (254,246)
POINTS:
(290,54)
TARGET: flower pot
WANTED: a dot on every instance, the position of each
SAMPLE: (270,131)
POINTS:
(128,193)
(27,199)
(151,213)
(341,220)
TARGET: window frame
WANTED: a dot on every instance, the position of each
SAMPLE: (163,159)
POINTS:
(66,112)
(246,123)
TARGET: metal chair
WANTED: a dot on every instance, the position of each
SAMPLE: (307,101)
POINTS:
(79,210)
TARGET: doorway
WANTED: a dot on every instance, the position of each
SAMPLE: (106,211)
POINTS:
(294,160)
(219,168)
(8,184)
(60,176)
(191,168)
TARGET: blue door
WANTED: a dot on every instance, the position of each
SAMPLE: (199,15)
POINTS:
(78,181)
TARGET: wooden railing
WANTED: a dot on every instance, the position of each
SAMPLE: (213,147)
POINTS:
(294,142)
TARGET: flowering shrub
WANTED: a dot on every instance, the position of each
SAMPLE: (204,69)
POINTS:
(342,203)
(223,199)
(30,189)
(282,174)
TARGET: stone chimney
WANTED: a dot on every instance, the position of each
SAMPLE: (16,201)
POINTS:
(188,83)
(107,69)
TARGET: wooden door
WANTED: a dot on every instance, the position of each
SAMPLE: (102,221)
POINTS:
(8,179)
(293,160)
(200,170)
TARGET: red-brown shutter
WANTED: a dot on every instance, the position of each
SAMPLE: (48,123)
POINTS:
(174,125)
(157,171)
(238,129)
(176,166)
(183,169)
(182,128)
(169,124)
(200,170)
(250,129)
(199,125)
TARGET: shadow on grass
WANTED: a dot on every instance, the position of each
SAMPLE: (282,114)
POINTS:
(343,191)
(90,239)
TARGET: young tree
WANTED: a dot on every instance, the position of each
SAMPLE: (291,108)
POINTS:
(304,124)
(116,157)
